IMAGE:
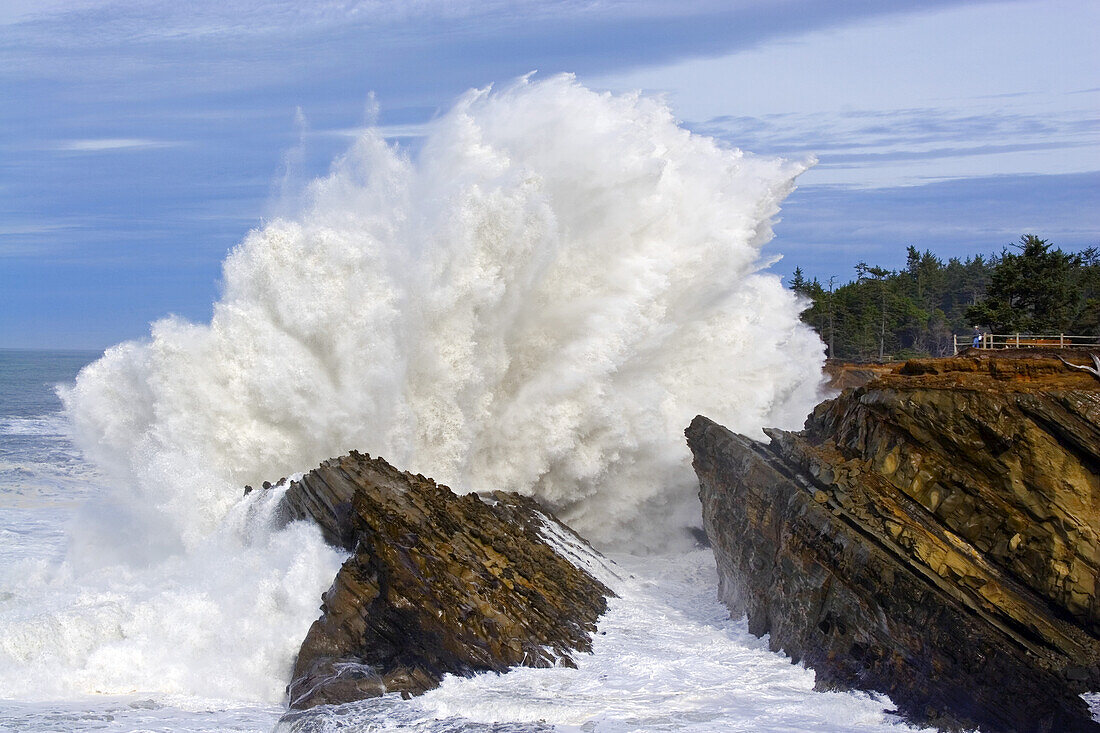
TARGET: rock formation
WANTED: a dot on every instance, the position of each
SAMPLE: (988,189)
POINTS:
(934,535)
(846,374)
(436,584)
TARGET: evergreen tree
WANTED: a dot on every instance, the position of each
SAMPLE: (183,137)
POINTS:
(1088,280)
(798,282)
(917,311)
(1034,291)
(877,275)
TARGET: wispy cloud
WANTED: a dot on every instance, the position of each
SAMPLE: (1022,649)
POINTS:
(828,229)
(99,87)
(104,144)
(855,131)
(145,19)
(939,96)
(857,160)
(33,238)
(415,45)
(872,143)
(420,129)
(19,229)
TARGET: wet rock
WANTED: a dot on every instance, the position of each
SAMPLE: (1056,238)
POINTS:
(934,535)
(436,584)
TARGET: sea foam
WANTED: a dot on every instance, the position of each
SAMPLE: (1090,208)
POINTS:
(539,300)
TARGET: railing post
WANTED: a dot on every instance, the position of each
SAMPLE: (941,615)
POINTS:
(954,344)
(1061,340)
(1017,339)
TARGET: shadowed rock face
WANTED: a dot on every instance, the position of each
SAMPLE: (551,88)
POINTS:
(436,584)
(934,535)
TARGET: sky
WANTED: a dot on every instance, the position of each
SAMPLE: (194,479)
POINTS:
(141,139)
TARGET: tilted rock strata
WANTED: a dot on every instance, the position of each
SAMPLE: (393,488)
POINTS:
(437,584)
(932,535)
(1004,452)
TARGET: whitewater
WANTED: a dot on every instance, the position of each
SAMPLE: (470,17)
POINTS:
(539,299)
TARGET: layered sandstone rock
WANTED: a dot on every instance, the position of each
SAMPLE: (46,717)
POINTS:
(934,535)
(436,584)
(848,374)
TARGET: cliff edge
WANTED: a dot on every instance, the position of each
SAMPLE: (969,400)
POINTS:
(933,534)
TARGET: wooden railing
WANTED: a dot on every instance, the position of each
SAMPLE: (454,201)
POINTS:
(1022,341)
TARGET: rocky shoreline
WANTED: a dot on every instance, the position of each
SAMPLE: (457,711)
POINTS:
(436,584)
(933,534)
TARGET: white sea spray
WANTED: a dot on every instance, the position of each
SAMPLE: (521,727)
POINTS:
(539,301)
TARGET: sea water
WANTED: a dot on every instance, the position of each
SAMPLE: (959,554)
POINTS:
(45,486)
(539,300)
(667,656)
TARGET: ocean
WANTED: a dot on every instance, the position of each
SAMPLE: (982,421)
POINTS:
(668,658)
(539,300)
(41,472)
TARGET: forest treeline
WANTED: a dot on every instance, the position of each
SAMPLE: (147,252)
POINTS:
(1031,287)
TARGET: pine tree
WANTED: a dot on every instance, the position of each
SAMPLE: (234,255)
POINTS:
(1034,291)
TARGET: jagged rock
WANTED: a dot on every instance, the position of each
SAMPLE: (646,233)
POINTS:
(934,535)
(846,374)
(437,584)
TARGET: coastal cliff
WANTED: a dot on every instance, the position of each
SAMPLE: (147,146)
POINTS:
(436,584)
(933,534)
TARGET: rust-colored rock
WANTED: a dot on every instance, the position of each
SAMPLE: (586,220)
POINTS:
(848,374)
(934,534)
(437,584)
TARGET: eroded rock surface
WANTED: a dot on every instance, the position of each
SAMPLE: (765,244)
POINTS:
(437,583)
(848,374)
(933,535)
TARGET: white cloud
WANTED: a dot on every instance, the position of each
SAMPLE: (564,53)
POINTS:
(915,146)
(419,129)
(18,11)
(216,17)
(990,89)
(30,228)
(103,144)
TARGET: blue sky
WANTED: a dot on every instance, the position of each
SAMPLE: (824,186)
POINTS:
(140,140)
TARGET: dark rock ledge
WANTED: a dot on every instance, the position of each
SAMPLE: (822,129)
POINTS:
(436,584)
(933,535)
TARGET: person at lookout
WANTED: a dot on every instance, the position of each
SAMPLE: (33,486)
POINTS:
(978,340)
